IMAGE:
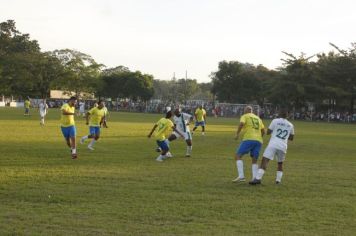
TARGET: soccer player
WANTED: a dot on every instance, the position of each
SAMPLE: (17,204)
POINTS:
(94,117)
(281,131)
(165,125)
(43,109)
(200,117)
(27,105)
(68,125)
(181,122)
(252,130)
(82,108)
(103,122)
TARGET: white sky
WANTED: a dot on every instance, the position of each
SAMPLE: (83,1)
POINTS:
(161,37)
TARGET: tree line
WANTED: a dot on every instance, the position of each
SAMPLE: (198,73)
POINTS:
(325,80)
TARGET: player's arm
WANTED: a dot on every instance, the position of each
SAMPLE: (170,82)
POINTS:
(291,137)
(153,130)
(87,116)
(269,131)
(67,113)
(204,115)
(239,128)
(263,132)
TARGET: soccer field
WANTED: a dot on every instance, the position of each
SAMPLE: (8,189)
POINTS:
(119,189)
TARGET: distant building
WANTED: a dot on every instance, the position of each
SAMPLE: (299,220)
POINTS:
(59,94)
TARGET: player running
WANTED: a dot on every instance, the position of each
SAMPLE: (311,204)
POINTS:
(165,125)
(68,125)
(43,109)
(181,122)
(200,119)
(282,131)
(27,105)
(252,130)
(94,117)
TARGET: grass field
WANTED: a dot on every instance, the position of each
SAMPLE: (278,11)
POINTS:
(119,189)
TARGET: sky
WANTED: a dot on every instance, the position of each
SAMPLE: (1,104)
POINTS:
(167,37)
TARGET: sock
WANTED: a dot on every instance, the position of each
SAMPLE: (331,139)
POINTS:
(189,149)
(92,142)
(240,169)
(203,133)
(85,137)
(260,174)
(74,150)
(254,170)
(279,176)
(42,121)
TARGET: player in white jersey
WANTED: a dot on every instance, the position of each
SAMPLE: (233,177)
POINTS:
(43,109)
(281,131)
(82,108)
(181,122)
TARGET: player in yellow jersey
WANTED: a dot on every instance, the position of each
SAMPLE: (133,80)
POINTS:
(252,130)
(27,105)
(200,119)
(94,118)
(68,125)
(165,127)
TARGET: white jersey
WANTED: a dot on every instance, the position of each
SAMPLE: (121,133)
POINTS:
(43,108)
(82,107)
(281,129)
(182,122)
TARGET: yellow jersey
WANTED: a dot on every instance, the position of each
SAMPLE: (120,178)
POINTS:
(252,127)
(27,104)
(96,115)
(200,113)
(164,127)
(67,120)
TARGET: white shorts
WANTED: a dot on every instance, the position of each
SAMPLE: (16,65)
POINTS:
(271,152)
(187,135)
(43,114)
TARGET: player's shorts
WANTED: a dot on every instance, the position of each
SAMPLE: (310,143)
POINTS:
(163,145)
(187,135)
(249,146)
(27,110)
(199,123)
(69,132)
(272,152)
(94,130)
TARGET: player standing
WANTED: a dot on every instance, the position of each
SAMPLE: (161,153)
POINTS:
(68,125)
(27,105)
(82,108)
(281,131)
(93,118)
(165,125)
(200,117)
(181,122)
(43,109)
(252,130)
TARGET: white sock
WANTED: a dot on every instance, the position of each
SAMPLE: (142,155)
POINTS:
(254,170)
(240,169)
(279,176)
(74,150)
(189,149)
(260,174)
(85,137)
(42,121)
(91,144)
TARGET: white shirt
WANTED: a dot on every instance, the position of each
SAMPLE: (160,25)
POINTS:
(43,107)
(82,106)
(182,122)
(281,129)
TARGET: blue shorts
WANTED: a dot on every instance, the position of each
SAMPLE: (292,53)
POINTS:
(249,146)
(199,123)
(94,130)
(69,132)
(163,145)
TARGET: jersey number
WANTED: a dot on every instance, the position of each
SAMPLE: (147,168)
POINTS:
(282,134)
(255,123)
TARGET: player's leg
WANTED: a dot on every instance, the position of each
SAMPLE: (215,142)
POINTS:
(195,125)
(165,149)
(280,158)
(203,127)
(255,153)
(243,149)
(95,134)
(268,155)
(65,133)
(188,140)
(41,120)
(89,136)
(73,142)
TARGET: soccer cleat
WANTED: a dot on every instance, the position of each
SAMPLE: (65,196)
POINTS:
(91,148)
(169,155)
(160,159)
(255,182)
(238,179)
(278,182)
(74,156)
(187,155)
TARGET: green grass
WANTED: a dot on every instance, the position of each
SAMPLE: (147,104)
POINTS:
(119,189)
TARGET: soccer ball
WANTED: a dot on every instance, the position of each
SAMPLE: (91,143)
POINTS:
(158,149)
